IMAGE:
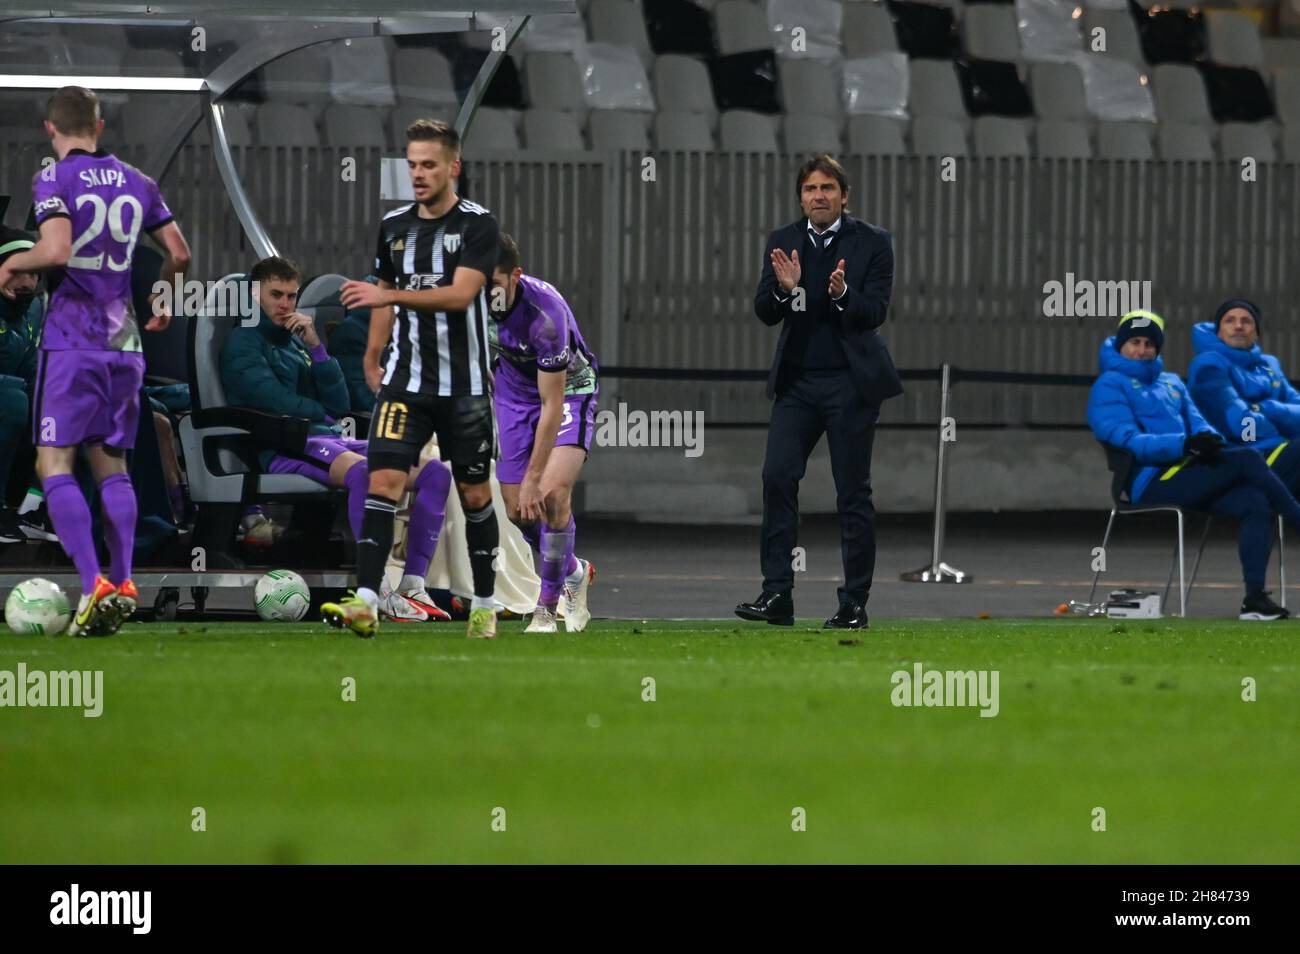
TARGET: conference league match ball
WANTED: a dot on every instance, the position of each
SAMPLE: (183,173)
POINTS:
(38,608)
(282,596)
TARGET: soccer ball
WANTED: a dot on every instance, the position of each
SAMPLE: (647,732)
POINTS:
(282,596)
(38,608)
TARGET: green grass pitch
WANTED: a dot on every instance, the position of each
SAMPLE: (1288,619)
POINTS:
(748,723)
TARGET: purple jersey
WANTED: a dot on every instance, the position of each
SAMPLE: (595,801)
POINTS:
(539,333)
(109,203)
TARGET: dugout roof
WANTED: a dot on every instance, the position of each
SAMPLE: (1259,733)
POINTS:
(240,37)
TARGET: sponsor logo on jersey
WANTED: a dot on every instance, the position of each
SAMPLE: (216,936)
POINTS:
(415,282)
(52,204)
(451,242)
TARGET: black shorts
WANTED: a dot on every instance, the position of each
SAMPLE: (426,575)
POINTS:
(403,423)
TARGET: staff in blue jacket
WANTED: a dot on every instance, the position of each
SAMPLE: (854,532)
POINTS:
(1181,459)
(1243,391)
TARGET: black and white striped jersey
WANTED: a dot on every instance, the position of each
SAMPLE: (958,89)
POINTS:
(442,353)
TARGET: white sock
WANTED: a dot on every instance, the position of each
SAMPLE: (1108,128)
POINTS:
(370,596)
(410,583)
(574,578)
(483,602)
(32,501)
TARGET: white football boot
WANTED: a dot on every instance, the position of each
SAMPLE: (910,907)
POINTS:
(576,613)
(543,621)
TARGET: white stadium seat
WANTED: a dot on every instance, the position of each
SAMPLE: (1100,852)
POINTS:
(811,87)
(877,136)
(284,124)
(1000,136)
(553,129)
(807,133)
(493,129)
(1125,140)
(619,129)
(1233,39)
(742,26)
(682,85)
(1058,91)
(1121,35)
(1246,140)
(689,132)
(360,72)
(1062,139)
(938,136)
(302,76)
(552,81)
(867,29)
(622,23)
(934,90)
(1286,96)
(423,76)
(1180,94)
(740,130)
(989,32)
(353,126)
(1184,141)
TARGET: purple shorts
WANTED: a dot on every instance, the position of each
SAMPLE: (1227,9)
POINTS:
(87,397)
(316,457)
(517,428)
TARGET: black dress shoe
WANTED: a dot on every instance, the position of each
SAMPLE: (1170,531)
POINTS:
(848,616)
(774,608)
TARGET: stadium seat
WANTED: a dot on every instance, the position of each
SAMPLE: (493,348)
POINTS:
(319,300)
(221,442)
(989,86)
(811,87)
(1184,141)
(552,81)
(360,72)
(938,136)
(1233,39)
(400,117)
(1242,140)
(746,81)
(1236,93)
(1121,35)
(1281,52)
(424,76)
(935,90)
(1172,36)
(740,130)
(1115,90)
(1286,93)
(819,20)
(805,133)
(680,26)
(620,22)
(682,85)
(689,132)
(619,129)
(1000,136)
(1180,94)
(494,129)
(302,76)
(553,129)
(877,136)
(925,30)
(282,124)
(876,84)
(613,77)
(867,29)
(353,126)
(239,131)
(1048,29)
(1125,140)
(989,32)
(741,27)
(1058,91)
(1062,139)
(1291,143)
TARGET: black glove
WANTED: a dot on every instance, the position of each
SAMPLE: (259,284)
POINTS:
(1206,446)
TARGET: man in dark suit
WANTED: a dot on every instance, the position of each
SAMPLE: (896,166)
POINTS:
(826,280)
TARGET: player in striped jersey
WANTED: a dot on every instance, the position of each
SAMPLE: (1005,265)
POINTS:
(434,261)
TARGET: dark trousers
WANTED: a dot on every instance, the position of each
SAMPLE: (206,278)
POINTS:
(812,404)
(1240,485)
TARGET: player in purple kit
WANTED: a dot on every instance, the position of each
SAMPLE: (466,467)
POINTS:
(91,209)
(544,394)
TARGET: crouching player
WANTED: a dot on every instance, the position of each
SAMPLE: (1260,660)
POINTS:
(280,366)
(545,401)
(1181,459)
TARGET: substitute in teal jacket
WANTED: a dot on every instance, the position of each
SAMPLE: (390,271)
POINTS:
(1242,391)
(1139,407)
(265,367)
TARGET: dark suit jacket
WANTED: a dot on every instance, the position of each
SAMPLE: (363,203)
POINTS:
(868,254)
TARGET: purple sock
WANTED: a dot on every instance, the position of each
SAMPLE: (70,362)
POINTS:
(117,500)
(557,551)
(533,534)
(430,506)
(71,518)
(357,481)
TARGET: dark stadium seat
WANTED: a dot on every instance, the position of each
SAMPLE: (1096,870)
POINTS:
(925,30)
(1121,464)
(1236,93)
(746,81)
(679,26)
(1170,36)
(992,88)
